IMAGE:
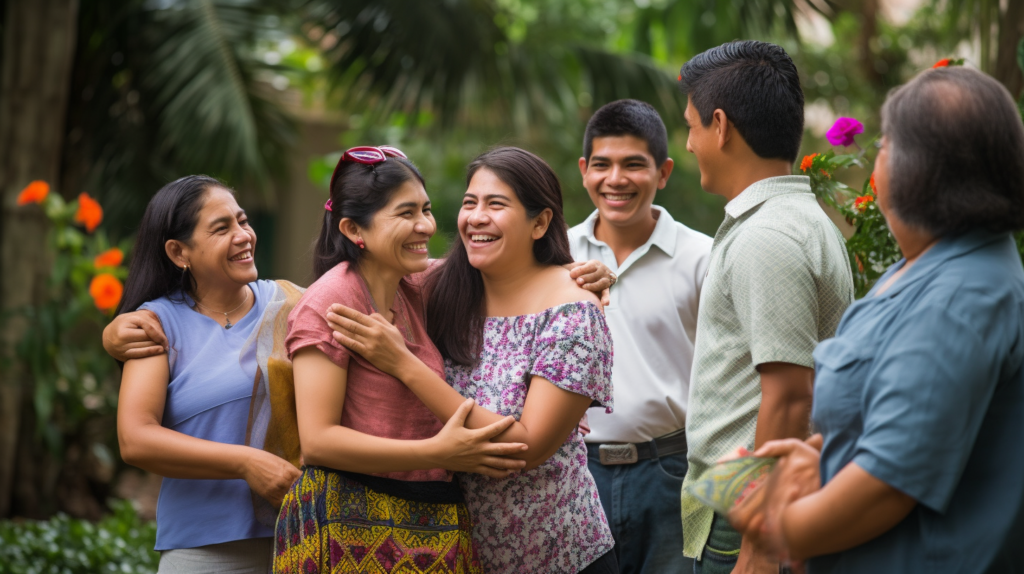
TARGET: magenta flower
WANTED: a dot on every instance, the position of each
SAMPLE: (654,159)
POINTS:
(842,132)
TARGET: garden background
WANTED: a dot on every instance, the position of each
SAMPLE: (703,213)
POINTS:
(101,103)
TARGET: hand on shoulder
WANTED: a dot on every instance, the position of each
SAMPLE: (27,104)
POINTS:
(560,288)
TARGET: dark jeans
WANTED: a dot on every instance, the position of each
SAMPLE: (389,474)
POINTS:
(721,550)
(604,565)
(641,501)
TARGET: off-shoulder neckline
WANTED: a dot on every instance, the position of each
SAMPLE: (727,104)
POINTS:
(545,311)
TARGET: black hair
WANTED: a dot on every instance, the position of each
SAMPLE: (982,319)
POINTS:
(358,192)
(455,307)
(956,153)
(172,213)
(757,86)
(628,118)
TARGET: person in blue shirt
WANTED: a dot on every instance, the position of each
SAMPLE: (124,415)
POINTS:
(919,398)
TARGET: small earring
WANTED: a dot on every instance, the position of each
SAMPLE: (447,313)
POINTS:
(360,243)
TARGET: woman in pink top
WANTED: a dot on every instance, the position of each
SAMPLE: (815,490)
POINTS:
(521,340)
(375,495)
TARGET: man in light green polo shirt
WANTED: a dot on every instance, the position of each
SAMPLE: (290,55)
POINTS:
(777,284)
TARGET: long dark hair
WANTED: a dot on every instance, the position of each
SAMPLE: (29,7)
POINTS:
(172,214)
(455,309)
(358,192)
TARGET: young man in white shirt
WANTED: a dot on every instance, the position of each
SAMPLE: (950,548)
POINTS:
(637,454)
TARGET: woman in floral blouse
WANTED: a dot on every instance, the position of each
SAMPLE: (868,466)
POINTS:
(521,339)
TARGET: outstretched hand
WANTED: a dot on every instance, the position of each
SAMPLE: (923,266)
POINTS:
(371,336)
(462,449)
(593,276)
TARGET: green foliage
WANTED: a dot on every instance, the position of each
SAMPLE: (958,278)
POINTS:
(872,247)
(166,88)
(492,64)
(62,545)
(74,377)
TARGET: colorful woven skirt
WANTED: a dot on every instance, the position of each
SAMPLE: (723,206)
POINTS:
(330,523)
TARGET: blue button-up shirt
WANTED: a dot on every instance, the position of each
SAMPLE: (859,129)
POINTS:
(923,388)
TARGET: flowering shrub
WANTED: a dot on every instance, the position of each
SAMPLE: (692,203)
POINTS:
(872,248)
(73,377)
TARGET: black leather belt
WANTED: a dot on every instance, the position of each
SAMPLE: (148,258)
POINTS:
(611,453)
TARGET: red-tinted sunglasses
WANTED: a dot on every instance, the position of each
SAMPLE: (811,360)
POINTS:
(366,155)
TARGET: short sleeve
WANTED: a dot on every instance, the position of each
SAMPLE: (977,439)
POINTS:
(307,327)
(574,352)
(165,314)
(775,296)
(925,399)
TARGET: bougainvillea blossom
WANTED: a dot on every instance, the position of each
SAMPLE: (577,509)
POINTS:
(841,133)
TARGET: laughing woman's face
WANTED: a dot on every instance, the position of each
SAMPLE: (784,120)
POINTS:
(220,252)
(494,226)
(398,234)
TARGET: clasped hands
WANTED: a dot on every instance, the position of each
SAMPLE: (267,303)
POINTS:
(761,516)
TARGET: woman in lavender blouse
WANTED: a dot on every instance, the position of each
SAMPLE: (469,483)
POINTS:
(521,339)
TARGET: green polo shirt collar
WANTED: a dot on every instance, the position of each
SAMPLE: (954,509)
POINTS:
(761,191)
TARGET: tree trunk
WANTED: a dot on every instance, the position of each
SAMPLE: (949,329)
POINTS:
(38,46)
(1011,30)
(867,33)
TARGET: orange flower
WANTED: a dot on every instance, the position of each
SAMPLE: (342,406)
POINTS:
(825,173)
(860,266)
(871,182)
(89,213)
(943,63)
(106,291)
(110,258)
(807,161)
(861,203)
(34,192)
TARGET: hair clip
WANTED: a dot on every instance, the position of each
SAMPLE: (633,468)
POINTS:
(328,205)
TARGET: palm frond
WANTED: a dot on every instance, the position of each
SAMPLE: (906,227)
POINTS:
(165,89)
(452,59)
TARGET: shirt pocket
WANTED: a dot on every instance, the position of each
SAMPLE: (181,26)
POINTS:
(841,368)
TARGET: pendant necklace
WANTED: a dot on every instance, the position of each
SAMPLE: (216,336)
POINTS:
(227,325)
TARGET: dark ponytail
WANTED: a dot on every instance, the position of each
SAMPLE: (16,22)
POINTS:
(359,191)
(172,214)
(455,309)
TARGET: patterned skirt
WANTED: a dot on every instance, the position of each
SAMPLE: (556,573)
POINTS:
(332,524)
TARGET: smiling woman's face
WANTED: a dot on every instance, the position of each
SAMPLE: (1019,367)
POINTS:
(398,235)
(220,252)
(493,224)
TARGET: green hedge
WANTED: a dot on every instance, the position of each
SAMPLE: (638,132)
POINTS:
(62,545)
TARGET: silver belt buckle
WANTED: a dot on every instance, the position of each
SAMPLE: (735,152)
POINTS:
(617,454)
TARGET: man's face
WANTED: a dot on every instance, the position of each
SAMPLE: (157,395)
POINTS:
(703,143)
(622,178)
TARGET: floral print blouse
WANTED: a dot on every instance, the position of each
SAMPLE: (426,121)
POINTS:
(548,519)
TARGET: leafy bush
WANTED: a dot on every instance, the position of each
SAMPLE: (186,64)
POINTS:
(872,248)
(62,545)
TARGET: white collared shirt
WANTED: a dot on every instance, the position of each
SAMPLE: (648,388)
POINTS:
(653,322)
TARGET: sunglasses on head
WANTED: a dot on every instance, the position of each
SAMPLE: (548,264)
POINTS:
(366,155)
